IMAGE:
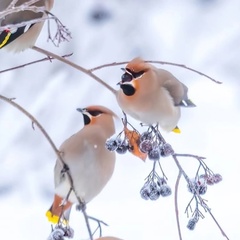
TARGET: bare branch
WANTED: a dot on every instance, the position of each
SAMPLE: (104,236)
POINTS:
(23,7)
(22,24)
(158,62)
(74,65)
(176,204)
(33,62)
(34,120)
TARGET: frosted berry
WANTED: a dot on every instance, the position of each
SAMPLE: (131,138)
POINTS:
(210,180)
(202,189)
(161,181)
(166,150)
(154,194)
(144,192)
(145,146)
(165,190)
(152,186)
(121,149)
(57,234)
(217,178)
(154,154)
(145,136)
(192,223)
(198,186)
(112,144)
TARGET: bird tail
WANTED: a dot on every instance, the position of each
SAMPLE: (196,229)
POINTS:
(59,211)
(187,103)
(176,130)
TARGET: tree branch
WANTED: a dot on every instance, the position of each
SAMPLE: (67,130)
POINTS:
(74,65)
(33,62)
(158,62)
(176,204)
(34,120)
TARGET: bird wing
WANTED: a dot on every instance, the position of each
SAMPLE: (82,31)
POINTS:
(177,90)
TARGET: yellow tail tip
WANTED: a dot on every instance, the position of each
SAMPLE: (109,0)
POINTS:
(52,218)
(176,130)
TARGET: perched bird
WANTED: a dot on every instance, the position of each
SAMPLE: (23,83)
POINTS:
(20,38)
(152,95)
(90,164)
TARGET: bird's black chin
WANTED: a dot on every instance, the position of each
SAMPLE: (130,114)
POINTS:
(128,89)
(86,119)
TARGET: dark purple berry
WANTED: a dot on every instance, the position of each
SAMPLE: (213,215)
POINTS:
(153,186)
(210,180)
(121,149)
(166,150)
(154,194)
(197,186)
(145,136)
(161,181)
(154,154)
(191,223)
(145,193)
(217,178)
(165,190)
(112,144)
(145,146)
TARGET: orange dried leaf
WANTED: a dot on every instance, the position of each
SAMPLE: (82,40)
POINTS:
(133,139)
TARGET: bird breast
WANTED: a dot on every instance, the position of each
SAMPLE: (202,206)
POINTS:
(90,164)
(155,107)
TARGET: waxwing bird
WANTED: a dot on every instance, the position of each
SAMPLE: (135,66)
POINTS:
(90,164)
(20,38)
(152,95)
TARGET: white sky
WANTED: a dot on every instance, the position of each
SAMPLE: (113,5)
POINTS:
(201,34)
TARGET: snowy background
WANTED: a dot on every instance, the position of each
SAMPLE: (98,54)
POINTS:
(202,34)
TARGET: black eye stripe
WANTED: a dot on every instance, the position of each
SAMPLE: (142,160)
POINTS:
(95,113)
(134,74)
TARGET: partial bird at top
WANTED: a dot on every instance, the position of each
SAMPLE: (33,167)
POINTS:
(20,38)
(152,95)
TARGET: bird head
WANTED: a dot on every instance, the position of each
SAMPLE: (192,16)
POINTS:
(96,114)
(134,71)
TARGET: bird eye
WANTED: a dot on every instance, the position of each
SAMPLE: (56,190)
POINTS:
(95,113)
(126,77)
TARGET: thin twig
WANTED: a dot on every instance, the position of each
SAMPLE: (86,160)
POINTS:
(33,62)
(74,65)
(215,220)
(158,62)
(33,119)
(176,204)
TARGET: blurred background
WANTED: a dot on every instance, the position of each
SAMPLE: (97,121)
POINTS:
(202,34)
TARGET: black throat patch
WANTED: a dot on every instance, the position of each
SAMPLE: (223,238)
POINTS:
(128,89)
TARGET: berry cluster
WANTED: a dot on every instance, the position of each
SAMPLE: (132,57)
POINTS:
(211,178)
(155,187)
(148,143)
(151,143)
(198,186)
(118,145)
(60,232)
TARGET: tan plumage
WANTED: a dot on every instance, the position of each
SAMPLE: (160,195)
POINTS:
(152,95)
(21,41)
(90,164)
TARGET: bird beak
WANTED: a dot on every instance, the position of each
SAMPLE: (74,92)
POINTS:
(123,69)
(81,110)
